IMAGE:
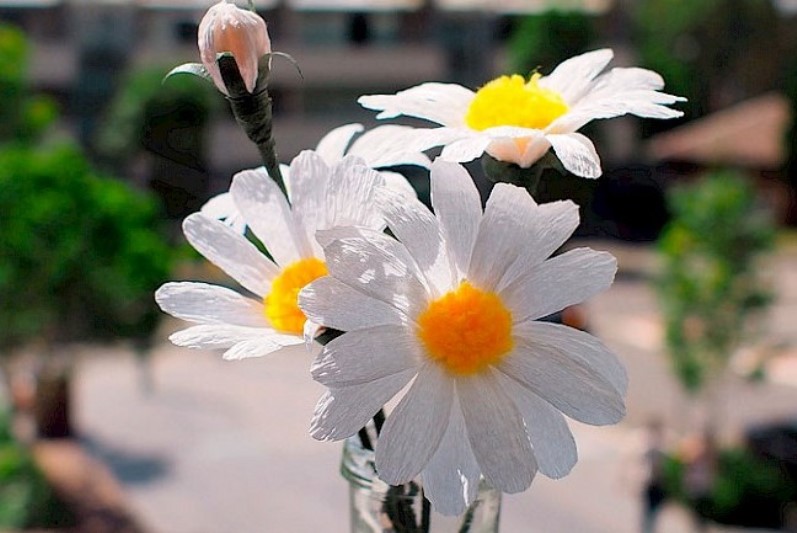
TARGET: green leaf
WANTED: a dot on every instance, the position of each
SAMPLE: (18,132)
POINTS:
(197,69)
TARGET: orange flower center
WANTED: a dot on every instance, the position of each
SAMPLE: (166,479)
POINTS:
(466,330)
(281,305)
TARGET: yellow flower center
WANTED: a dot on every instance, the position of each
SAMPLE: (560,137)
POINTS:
(281,305)
(466,330)
(512,101)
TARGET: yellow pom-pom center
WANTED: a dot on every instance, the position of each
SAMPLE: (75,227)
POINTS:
(512,101)
(281,306)
(466,330)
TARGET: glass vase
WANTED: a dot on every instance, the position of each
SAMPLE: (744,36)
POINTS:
(376,507)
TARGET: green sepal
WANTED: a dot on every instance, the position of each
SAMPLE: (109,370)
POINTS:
(264,68)
(196,69)
(528,178)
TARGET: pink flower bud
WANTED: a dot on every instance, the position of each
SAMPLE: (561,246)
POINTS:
(228,28)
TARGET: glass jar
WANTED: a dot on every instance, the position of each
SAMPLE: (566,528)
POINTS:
(376,507)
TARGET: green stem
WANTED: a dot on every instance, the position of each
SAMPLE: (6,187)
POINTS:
(365,439)
(426,514)
(528,178)
(253,112)
(534,182)
(467,521)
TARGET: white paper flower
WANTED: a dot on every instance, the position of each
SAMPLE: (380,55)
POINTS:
(451,309)
(253,325)
(380,147)
(518,120)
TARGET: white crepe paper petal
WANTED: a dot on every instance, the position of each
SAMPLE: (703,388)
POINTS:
(417,229)
(336,305)
(342,412)
(365,355)
(223,208)
(578,345)
(380,268)
(332,147)
(577,154)
(260,347)
(560,282)
(496,434)
(209,304)
(553,443)
(565,382)
(416,426)
(215,336)
(457,206)
(230,251)
(452,476)
(444,103)
(267,212)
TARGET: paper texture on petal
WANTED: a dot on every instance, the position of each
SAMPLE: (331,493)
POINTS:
(554,446)
(358,357)
(443,103)
(209,304)
(564,280)
(332,147)
(380,268)
(342,412)
(458,207)
(564,382)
(577,154)
(267,212)
(496,434)
(452,475)
(230,251)
(335,305)
(414,429)
(419,231)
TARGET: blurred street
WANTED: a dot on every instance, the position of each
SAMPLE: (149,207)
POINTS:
(205,446)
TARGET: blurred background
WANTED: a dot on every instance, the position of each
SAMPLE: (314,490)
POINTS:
(104,426)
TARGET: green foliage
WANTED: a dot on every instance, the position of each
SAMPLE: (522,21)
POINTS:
(164,116)
(668,43)
(80,254)
(747,490)
(26,500)
(709,286)
(709,48)
(23,117)
(544,40)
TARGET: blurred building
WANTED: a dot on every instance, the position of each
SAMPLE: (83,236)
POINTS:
(345,48)
(749,136)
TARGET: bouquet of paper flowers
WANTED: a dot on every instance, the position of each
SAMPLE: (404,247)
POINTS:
(436,312)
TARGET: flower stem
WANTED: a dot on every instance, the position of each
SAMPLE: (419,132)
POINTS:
(365,439)
(426,514)
(379,421)
(254,113)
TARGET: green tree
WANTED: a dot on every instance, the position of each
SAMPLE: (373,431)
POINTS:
(714,52)
(23,116)
(80,253)
(710,284)
(544,40)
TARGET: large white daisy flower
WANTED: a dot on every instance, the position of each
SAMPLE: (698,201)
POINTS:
(518,120)
(269,318)
(380,147)
(451,309)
